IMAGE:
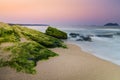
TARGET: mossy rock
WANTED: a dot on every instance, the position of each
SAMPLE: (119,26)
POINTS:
(56,33)
(25,56)
(8,34)
(43,39)
(21,48)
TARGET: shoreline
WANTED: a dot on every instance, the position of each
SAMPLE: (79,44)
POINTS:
(71,64)
(98,56)
(94,54)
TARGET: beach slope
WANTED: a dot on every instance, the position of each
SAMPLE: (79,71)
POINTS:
(71,64)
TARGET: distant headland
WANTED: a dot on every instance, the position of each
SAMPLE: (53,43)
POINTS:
(29,24)
(111,24)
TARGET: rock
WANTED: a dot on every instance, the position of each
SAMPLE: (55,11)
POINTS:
(56,33)
(87,38)
(74,35)
(105,35)
(79,40)
(28,47)
(118,33)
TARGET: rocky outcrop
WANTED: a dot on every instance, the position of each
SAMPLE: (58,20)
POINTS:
(56,33)
(28,47)
(80,37)
(74,35)
(87,38)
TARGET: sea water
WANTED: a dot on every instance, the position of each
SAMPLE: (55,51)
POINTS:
(103,47)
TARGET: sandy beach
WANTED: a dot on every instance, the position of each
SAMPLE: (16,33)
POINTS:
(71,64)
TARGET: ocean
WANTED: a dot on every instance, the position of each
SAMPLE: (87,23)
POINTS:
(104,47)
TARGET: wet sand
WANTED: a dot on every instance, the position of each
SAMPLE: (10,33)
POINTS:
(71,64)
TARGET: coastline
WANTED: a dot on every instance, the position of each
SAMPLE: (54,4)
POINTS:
(71,64)
(92,53)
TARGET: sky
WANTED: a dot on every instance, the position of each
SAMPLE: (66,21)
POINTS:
(76,12)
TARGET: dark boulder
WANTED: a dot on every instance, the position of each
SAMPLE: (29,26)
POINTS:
(74,35)
(118,33)
(87,38)
(79,40)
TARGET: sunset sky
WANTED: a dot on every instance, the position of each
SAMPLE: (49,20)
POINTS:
(83,12)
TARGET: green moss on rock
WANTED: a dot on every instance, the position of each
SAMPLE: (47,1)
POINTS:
(56,33)
(8,34)
(21,48)
(25,56)
(43,39)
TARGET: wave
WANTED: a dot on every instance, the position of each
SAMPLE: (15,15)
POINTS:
(102,47)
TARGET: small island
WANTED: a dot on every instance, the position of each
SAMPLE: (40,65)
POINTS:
(111,24)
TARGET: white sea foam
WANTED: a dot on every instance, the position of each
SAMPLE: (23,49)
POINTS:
(102,47)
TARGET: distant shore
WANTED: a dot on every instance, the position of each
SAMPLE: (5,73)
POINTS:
(29,24)
(71,64)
